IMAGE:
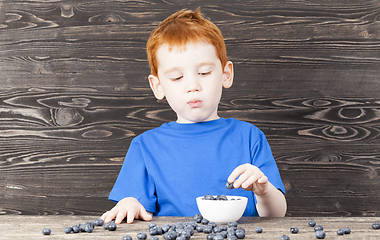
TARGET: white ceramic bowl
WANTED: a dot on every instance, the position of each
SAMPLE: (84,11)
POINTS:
(222,211)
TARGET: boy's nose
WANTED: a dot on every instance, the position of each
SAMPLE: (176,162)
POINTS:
(193,84)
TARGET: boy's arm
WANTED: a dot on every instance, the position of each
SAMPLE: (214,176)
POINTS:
(128,207)
(271,202)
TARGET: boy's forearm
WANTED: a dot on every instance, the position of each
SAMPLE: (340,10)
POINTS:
(272,203)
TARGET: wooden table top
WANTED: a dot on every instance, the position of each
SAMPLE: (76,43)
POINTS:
(30,227)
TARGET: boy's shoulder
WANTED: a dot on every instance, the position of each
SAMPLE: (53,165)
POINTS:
(244,125)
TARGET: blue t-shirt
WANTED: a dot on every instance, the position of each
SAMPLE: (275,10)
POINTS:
(168,167)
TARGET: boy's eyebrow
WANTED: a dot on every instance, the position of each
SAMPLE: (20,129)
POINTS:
(172,70)
(178,69)
(205,63)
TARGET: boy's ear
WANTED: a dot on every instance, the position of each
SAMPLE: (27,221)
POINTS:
(228,75)
(155,85)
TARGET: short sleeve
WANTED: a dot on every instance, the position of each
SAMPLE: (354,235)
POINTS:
(133,180)
(262,157)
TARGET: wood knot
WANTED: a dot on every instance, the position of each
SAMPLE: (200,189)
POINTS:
(67,117)
(328,158)
(107,18)
(67,10)
(42,71)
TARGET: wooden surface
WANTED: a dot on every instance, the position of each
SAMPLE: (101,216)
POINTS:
(30,227)
(74,92)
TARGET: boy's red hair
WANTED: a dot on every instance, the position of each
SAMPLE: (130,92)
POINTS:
(180,28)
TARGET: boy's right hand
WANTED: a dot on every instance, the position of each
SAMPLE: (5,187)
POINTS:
(128,207)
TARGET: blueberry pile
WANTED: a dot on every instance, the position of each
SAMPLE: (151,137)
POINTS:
(219,197)
(184,231)
(89,227)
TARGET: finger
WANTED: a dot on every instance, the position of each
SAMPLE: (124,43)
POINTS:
(110,215)
(120,216)
(236,173)
(146,216)
(131,214)
(104,216)
(263,180)
(250,180)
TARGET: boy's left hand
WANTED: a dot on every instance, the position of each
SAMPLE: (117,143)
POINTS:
(251,178)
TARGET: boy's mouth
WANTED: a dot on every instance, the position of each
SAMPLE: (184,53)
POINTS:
(195,103)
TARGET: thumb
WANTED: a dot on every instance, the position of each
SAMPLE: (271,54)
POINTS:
(144,215)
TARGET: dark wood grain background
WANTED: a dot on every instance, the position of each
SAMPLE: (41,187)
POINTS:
(74,92)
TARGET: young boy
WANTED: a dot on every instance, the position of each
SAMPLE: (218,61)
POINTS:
(166,168)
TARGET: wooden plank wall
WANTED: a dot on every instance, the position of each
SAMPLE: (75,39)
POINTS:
(74,92)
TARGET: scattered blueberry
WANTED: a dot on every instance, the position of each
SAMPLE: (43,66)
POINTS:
(320,234)
(340,232)
(105,226)
(127,237)
(240,234)
(76,229)
(111,226)
(198,218)
(212,224)
(210,236)
(376,225)
(155,238)
(141,236)
(294,230)
(217,230)
(98,222)
(312,223)
(151,225)
(231,237)
(199,228)
(229,185)
(88,228)
(218,237)
(155,230)
(170,235)
(165,227)
(346,230)
(232,224)
(207,229)
(204,221)
(68,230)
(231,231)
(46,231)
(318,228)
(259,230)
(284,237)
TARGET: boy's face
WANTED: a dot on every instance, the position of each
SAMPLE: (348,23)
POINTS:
(191,79)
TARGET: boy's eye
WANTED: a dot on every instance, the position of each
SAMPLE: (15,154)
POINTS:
(176,78)
(204,73)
